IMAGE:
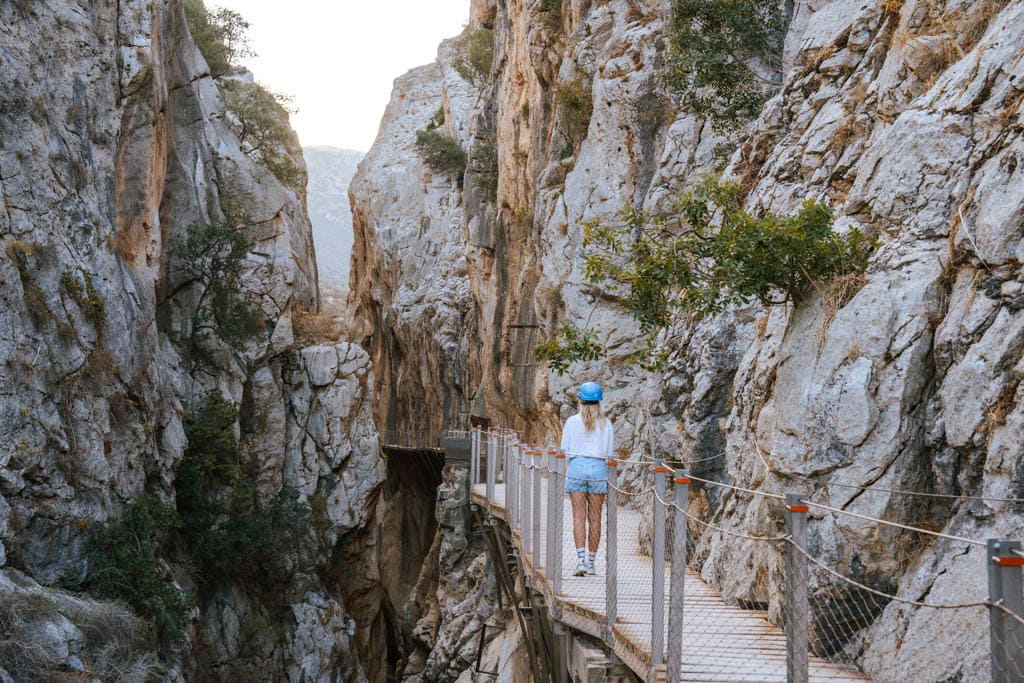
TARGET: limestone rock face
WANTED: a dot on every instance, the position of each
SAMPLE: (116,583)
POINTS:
(314,435)
(905,118)
(115,149)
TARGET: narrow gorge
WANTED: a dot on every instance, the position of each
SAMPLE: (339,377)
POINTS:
(193,484)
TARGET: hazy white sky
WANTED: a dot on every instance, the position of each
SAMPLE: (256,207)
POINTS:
(337,58)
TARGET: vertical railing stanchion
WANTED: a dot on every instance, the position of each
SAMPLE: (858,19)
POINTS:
(996,616)
(658,570)
(524,456)
(558,518)
(1005,588)
(511,492)
(538,461)
(611,584)
(797,612)
(526,524)
(499,456)
(514,483)
(474,456)
(681,502)
(550,531)
(492,449)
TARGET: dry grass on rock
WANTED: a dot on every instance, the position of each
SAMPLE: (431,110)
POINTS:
(315,328)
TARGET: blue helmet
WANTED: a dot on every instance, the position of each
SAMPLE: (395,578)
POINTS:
(590,392)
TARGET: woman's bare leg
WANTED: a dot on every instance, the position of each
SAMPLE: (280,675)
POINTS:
(579,518)
(595,503)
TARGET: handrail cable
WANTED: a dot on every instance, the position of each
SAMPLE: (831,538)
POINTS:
(736,488)
(923,494)
(738,534)
(765,494)
(820,482)
(950,496)
(888,596)
(938,534)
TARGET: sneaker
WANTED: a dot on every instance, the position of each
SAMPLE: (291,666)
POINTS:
(581,568)
(590,568)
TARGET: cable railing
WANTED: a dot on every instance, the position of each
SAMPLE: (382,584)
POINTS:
(806,615)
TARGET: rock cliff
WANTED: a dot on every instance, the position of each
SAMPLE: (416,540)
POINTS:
(150,256)
(904,116)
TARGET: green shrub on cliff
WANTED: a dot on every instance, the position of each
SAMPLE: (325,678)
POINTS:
(264,132)
(211,260)
(570,345)
(576,102)
(125,565)
(220,36)
(551,13)
(717,255)
(474,53)
(230,532)
(712,47)
(441,153)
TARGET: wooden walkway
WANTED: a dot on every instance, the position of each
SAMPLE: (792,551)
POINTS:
(721,642)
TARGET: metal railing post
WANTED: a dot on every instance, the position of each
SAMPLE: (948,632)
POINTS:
(521,504)
(538,461)
(611,584)
(681,502)
(1005,588)
(474,456)
(797,611)
(499,456)
(658,569)
(511,486)
(526,523)
(557,524)
(492,448)
(550,531)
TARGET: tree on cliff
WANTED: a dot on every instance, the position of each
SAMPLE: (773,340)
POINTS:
(722,56)
(713,254)
(220,36)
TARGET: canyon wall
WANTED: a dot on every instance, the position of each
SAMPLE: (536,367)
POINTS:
(117,157)
(903,116)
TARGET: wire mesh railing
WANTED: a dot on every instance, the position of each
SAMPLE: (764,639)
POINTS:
(806,613)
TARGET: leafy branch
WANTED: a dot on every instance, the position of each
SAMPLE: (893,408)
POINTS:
(211,259)
(715,47)
(571,344)
(713,256)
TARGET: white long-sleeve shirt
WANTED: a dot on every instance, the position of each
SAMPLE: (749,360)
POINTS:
(576,440)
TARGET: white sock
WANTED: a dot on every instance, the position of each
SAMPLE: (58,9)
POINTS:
(581,554)
(590,557)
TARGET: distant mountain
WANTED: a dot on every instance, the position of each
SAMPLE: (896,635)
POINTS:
(330,170)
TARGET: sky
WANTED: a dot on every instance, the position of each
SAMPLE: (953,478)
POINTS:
(338,58)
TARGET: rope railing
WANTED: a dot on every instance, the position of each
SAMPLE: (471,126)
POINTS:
(803,616)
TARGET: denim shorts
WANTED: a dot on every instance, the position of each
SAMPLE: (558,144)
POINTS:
(592,475)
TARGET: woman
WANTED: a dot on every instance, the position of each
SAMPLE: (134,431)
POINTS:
(587,442)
